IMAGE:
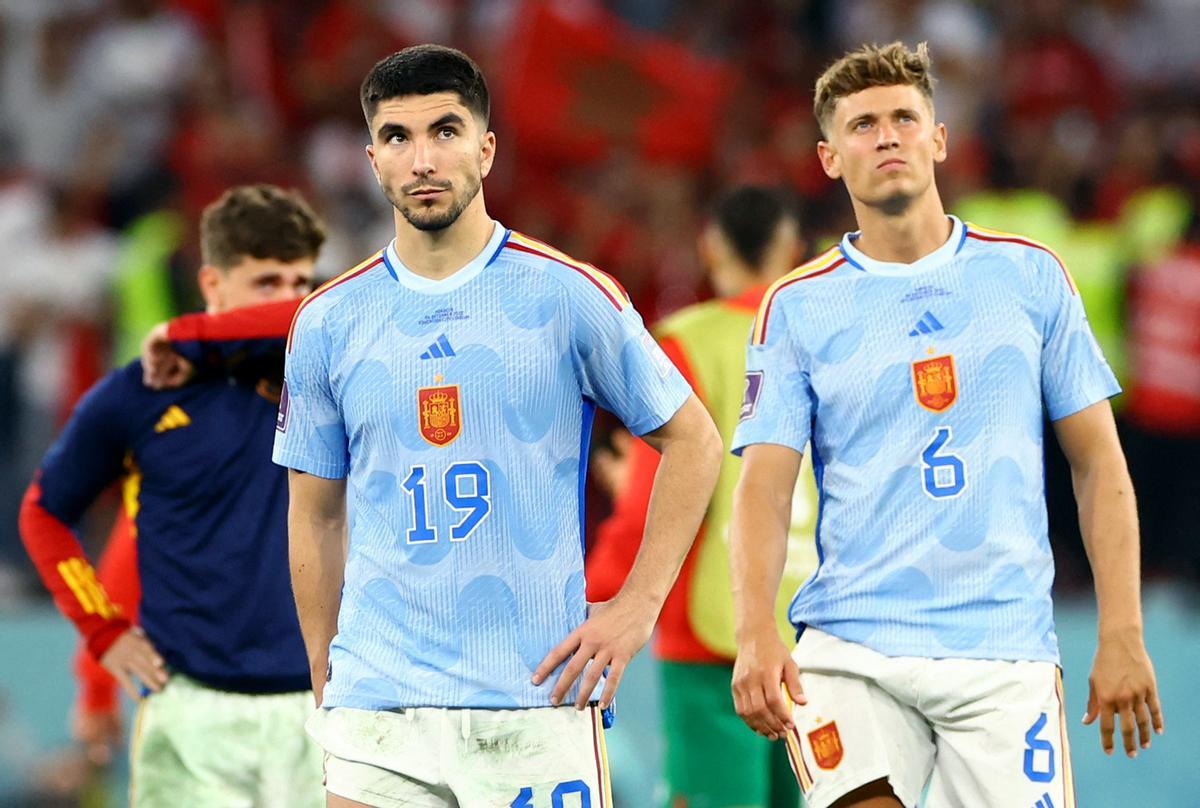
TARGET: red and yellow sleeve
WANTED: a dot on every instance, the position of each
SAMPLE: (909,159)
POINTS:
(118,574)
(66,572)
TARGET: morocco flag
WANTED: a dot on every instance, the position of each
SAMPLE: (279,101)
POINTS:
(580,82)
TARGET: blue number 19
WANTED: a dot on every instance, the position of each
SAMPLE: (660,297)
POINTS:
(467,487)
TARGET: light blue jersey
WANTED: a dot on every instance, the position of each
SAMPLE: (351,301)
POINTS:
(921,387)
(460,413)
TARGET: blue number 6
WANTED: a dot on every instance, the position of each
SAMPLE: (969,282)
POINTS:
(943,475)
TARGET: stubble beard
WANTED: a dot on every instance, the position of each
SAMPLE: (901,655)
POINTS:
(429,220)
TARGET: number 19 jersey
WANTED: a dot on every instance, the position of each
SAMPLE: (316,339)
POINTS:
(459,411)
(921,387)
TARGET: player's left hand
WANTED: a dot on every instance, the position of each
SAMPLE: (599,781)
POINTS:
(1123,684)
(162,368)
(614,631)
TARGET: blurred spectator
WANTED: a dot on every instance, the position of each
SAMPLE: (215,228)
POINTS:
(1163,415)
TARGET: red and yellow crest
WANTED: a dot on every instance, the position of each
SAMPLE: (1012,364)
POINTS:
(439,413)
(935,382)
(826,745)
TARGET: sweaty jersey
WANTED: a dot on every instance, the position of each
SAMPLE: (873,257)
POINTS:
(922,388)
(460,412)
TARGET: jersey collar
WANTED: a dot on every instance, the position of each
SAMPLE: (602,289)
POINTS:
(860,260)
(406,277)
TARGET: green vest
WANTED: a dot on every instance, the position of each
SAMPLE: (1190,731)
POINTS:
(713,336)
(142,287)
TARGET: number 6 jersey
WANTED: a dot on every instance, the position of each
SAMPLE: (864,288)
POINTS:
(921,387)
(460,413)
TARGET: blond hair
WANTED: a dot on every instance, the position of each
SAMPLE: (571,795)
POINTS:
(871,66)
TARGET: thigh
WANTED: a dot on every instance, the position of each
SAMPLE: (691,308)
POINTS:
(1001,736)
(713,760)
(548,757)
(383,758)
(291,773)
(192,746)
(850,733)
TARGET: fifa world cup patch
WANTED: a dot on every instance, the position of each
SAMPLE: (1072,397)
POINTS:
(439,413)
(281,417)
(826,743)
(935,383)
(754,383)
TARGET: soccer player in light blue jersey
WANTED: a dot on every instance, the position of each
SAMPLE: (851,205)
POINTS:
(916,358)
(438,406)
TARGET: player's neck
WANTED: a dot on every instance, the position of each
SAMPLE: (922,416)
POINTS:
(438,254)
(904,237)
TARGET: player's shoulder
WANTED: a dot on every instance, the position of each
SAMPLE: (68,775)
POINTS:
(354,281)
(814,273)
(989,241)
(578,278)
(115,394)
(1028,253)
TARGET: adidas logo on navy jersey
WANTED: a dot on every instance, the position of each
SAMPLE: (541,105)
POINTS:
(926,325)
(439,349)
(173,418)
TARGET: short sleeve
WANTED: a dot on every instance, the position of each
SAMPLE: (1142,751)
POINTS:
(777,404)
(310,434)
(620,365)
(1075,373)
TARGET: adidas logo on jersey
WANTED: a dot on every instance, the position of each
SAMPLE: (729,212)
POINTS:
(173,418)
(439,349)
(926,325)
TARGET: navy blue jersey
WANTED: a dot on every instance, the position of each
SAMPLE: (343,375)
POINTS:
(211,521)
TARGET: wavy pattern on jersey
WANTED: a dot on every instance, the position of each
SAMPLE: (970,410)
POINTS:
(431,616)
(337,280)
(606,283)
(987,234)
(826,262)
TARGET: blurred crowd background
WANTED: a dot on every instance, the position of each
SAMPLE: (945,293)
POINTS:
(1076,123)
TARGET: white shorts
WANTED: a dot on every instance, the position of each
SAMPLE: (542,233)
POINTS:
(977,732)
(545,757)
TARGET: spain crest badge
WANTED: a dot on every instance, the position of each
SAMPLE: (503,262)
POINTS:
(935,383)
(826,744)
(439,412)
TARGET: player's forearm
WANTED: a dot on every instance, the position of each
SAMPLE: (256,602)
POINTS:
(1108,522)
(683,485)
(317,559)
(60,561)
(757,554)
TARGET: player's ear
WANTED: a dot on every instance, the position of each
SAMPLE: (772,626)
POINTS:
(831,162)
(939,143)
(209,279)
(374,167)
(487,153)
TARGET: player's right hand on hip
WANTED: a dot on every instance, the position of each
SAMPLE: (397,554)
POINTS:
(135,664)
(763,673)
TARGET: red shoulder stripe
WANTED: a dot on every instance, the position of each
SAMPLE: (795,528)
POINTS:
(775,293)
(525,249)
(1027,243)
(338,281)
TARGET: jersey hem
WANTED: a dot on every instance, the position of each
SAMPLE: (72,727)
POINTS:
(292,460)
